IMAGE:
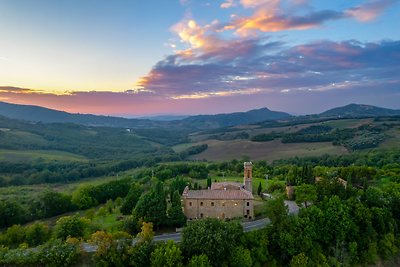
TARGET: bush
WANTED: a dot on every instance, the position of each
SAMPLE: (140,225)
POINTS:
(58,253)
(167,254)
(70,226)
(37,234)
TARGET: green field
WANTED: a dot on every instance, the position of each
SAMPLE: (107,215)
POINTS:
(269,151)
(38,155)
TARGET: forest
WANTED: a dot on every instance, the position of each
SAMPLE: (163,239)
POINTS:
(336,225)
(66,187)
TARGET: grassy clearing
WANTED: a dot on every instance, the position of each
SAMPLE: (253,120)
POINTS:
(349,123)
(38,155)
(110,222)
(181,147)
(393,140)
(27,192)
(24,194)
(269,151)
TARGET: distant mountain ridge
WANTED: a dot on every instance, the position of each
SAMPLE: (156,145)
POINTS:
(237,118)
(45,115)
(200,122)
(41,114)
(359,110)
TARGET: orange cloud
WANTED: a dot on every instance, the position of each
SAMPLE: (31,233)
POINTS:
(228,4)
(255,3)
(369,11)
(264,21)
(196,36)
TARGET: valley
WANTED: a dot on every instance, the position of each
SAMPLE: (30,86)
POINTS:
(111,184)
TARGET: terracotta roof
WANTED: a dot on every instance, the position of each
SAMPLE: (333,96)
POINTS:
(228,185)
(218,194)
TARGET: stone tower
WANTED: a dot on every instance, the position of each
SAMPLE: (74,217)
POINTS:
(248,175)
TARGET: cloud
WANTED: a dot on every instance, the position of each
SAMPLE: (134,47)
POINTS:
(228,4)
(281,15)
(14,89)
(258,66)
(369,10)
(264,21)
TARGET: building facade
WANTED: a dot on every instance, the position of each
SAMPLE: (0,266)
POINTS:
(224,200)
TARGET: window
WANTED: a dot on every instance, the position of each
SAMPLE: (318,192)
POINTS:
(247,212)
(223,204)
(201,215)
(201,203)
(248,204)
(212,203)
(190,204)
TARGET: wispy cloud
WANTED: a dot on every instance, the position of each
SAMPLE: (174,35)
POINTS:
(272,66)
(369,10)
(281,15)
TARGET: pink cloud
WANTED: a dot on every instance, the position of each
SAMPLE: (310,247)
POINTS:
(369,10)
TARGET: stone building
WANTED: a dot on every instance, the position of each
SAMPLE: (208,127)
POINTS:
(222,200)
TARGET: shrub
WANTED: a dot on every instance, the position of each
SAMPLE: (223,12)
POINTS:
(59,253)
(70,226)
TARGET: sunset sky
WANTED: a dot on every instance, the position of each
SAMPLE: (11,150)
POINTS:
(135,58)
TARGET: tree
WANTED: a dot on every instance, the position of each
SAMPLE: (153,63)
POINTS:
(59,253)
(212,237)
(167,254)
(52,203)
(208,182)
(277,211)
(140,254)
(259,189)
(132,225)
(176,216)
(305,193)
(11,213)
(199,261)
(70,226)
(111,250)
(13,236)
(241,257)
(147,233)
(37,233)
(131,199)
(152,206)
(300,260)
(82,197)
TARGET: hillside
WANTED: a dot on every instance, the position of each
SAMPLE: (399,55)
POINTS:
(85,141)
(237,118)
(45,115)
(357,110)
(296,138)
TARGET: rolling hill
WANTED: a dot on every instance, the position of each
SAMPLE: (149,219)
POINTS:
(232,119)
(359,110)
(45,115)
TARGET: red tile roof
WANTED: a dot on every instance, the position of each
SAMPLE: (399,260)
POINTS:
(227,185)
(218,194)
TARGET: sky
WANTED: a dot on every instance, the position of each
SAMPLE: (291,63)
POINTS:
(138,58)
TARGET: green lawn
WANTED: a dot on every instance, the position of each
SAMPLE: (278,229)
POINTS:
(109,222)
(269,151)
(33,155)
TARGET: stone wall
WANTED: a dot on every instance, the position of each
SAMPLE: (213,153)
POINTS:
(221,209)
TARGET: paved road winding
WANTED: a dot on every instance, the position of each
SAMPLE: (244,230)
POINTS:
(177,237)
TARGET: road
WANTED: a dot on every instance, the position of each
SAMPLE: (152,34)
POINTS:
(177,237)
